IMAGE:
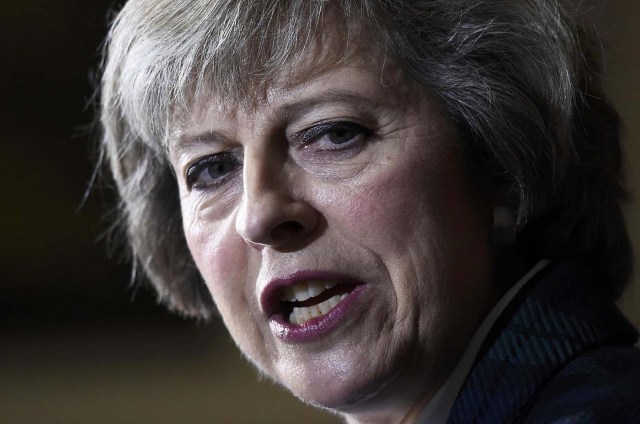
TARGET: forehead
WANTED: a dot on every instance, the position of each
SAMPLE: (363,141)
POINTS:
(365,80)
(364,69)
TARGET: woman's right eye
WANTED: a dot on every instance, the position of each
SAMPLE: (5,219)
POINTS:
(211,170)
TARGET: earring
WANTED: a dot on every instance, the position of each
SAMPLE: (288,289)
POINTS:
(504,226)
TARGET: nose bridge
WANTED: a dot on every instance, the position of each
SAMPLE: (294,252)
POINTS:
(258,176)
(262,162)
(257,165)
(273,210)
(263,184)
(270,213)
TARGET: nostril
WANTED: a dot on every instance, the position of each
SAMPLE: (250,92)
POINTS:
(290,227)
(286,231)
(271,218)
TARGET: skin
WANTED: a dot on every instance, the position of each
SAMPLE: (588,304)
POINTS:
(393,207)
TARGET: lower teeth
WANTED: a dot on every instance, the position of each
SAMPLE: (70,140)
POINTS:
(302,314)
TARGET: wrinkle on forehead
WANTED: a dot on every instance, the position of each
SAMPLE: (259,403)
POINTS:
(289,88)
(332,48)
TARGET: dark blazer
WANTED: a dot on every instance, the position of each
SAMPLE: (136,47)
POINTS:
(560,353)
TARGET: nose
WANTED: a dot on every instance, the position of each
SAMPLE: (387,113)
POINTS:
(272,213)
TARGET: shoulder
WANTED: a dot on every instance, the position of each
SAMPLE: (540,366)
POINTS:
(601,385)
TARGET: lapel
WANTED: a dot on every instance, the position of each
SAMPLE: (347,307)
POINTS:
(561,313)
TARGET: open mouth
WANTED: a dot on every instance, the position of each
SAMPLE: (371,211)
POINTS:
(306,300)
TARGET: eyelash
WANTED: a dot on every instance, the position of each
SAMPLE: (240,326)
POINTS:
(303,139)
(316,133)
(195,171)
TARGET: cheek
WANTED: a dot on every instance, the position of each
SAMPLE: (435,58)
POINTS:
(223,261)
(422,217)
(220,257)
(386,208)
(213,250)
(218,262)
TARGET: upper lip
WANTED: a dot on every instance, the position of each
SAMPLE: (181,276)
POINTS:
(270,297)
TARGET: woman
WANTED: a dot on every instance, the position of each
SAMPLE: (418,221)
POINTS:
(402,210)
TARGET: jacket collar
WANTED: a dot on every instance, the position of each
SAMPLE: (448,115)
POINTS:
(559,315)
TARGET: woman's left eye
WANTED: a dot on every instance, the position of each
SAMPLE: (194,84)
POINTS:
(334,135)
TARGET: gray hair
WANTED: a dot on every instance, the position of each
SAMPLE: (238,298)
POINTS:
(518,78)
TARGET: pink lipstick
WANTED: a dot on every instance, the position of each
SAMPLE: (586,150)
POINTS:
(307,305)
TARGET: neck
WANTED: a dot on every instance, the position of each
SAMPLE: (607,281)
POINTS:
(403,397)
(403,413)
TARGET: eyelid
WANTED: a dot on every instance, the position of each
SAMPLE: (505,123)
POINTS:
(307,136)
(195,168)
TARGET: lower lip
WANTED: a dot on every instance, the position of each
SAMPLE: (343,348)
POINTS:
(315,328)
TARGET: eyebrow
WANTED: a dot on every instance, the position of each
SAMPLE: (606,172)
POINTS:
(297,108)
(185,142)
(287,111)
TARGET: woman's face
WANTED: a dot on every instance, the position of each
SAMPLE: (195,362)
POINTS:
(347,188)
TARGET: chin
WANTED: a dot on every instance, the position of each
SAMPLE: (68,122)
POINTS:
(344,398)
(346,387)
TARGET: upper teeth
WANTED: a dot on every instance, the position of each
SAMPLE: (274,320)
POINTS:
(305,290)
(302,314)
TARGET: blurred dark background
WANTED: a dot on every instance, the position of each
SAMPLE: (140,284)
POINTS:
(77,343)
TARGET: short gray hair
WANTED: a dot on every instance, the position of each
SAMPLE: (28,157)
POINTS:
(519,80)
